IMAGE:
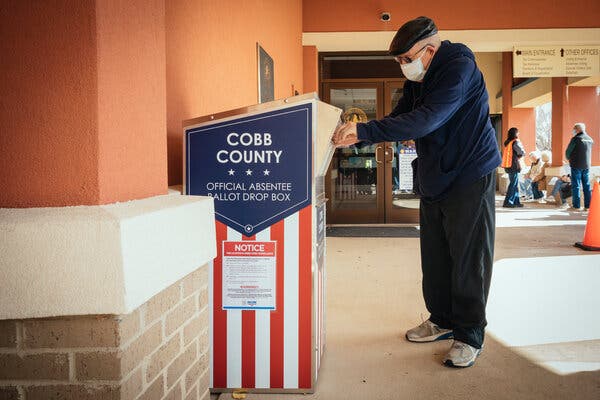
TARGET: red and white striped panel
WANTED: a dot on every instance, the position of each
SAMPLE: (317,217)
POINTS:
(266,349)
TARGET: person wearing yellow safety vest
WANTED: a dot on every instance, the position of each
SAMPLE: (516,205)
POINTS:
(513,151)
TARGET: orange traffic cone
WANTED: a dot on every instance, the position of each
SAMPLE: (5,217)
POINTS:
(591,238)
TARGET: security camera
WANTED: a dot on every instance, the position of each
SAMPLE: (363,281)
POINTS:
(385,16)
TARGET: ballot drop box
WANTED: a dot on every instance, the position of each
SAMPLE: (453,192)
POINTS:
(264,166)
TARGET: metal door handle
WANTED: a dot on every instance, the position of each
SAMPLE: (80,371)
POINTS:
(377,154)
(390,149)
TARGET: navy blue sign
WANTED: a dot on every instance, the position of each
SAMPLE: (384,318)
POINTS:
(257,168)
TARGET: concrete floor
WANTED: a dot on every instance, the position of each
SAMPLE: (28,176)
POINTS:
(374,296)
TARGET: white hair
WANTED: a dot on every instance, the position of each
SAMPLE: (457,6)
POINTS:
(581,126)
(546,156)
(536,153)
(433,40)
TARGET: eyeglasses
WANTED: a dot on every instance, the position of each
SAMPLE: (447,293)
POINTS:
(408,60)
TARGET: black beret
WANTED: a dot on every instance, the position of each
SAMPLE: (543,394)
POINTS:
(410,33)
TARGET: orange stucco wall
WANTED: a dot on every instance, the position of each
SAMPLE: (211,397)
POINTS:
(521,118)
(311,68)
(572,104)
(212,61)
(361,15)
(132,156)
(89,88)
(584,106)
(560,124)
(48,115)
(524,120)
(82,118)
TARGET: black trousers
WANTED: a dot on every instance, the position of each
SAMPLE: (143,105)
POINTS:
(457,253)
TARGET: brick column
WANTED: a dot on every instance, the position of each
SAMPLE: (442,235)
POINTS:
(158,351)
(507,80)
(560,124)
(521,118)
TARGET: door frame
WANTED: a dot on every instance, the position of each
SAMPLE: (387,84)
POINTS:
(384,212)
(394,214)
(357,216)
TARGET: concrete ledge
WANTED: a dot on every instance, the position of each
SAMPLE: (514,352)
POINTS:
(555,172)
(106,259)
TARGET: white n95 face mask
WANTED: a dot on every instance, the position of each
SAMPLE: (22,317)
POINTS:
(414,71)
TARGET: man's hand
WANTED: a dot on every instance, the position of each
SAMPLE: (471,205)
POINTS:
(345,135)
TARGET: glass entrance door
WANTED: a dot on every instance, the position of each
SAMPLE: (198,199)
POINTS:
(401,204)
(355,180)
(369,184)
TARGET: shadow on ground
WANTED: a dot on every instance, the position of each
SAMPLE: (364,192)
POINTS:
(374,296)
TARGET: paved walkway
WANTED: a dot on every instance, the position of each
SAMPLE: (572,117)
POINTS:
(374,295)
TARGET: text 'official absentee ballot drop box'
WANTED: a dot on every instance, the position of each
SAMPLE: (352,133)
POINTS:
(264,166)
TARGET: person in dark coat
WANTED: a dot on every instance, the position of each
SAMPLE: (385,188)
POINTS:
(579,154)
(444,108)
(513,151)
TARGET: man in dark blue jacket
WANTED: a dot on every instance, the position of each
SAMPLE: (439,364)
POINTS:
(579,154)
(444,108)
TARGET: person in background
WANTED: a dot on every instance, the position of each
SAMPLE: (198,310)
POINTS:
(579,154)
(538,180)
(559,192)
(525,186)
(513,151)
(445,109)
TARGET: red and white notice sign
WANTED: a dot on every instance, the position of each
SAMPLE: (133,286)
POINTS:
(249,275)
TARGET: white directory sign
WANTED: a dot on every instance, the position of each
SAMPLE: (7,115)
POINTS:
(405,170)
(249,275)
(549,61)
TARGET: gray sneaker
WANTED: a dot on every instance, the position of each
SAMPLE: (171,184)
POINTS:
(428,332)
(461,355)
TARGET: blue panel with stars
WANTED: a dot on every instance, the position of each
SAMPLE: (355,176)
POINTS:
(258,168)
